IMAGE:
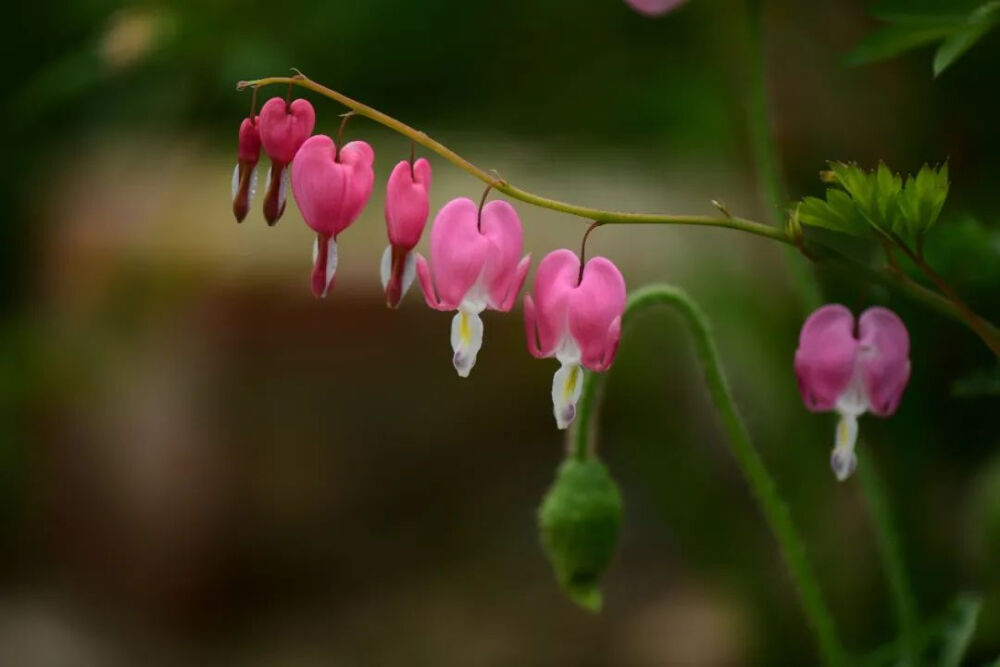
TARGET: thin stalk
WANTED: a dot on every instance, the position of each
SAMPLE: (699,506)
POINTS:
(903,600)
(499,184)
(981,327)
(769,181)
(761,484)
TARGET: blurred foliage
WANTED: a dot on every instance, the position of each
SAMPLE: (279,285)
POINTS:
(955,25)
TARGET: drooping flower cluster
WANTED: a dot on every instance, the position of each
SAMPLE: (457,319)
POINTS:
(852,372)
(476,261)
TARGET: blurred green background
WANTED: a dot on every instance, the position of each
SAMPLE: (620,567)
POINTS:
(202,464)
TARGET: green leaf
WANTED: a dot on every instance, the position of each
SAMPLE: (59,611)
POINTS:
(921,201)
(837,213)
(980,22)
(878,200)
(959,629)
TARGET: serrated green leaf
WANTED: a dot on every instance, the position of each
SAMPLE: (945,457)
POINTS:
(980,22)
(837,213)
(959,629)
(879,200)
(922,199)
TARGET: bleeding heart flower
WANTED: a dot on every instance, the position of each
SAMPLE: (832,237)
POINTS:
(406,209)
(576,317)
(654,7)
(331,188)
(475,257)
(284,127)
(852,373)
(245,173)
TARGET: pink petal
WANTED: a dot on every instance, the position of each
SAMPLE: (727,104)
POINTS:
(249,141)
(824,362)
(285,127)
(531,327)
(593,307)
(520,273)
(502,226)
(427,285)
(884,359)
(458,251)
(357,157)
(406,202)
(654,7)
(331,194)
(555,280)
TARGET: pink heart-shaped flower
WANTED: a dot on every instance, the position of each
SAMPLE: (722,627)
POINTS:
(284,127)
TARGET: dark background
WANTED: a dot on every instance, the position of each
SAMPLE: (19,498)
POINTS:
(201,463)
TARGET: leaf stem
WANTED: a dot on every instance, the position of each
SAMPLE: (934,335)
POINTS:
(981,327)
(762,486)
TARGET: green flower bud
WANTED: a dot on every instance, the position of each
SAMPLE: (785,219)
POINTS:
(579,520)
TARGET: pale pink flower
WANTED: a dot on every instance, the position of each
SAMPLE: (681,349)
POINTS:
(852,372)
(331,188)
(576,317)
(475,256)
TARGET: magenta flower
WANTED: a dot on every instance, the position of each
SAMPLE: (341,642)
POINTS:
(245,173)
(852,372)
(475,254)
(331,188)
(284,127)
(406,209)
(576,317)
(654,7)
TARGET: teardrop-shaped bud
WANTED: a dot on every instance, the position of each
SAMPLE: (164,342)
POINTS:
(245,174)
(284,127)
(579,519)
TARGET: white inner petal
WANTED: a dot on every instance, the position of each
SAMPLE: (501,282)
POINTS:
(853,401)
(466,339)
(843,460)
(283,190)
(567,384)
(385,269)
(409,272)
(236,179)
(331,260)
(253,184)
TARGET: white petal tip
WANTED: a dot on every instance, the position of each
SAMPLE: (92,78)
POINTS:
(843,464)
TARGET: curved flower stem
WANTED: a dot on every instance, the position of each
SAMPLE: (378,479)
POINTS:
(903,600)
(499,184)
(775,511)
(934,300)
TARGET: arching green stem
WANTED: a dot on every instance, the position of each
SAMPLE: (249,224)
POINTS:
(762,486)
